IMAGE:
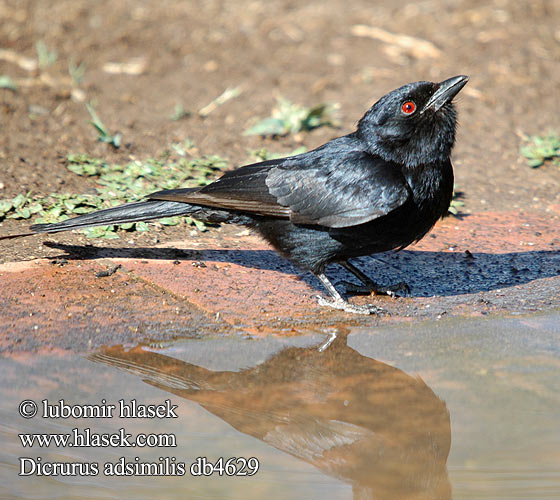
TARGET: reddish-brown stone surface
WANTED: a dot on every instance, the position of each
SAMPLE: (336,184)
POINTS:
(505,262)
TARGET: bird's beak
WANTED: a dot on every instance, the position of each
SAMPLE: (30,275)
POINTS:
(445,92)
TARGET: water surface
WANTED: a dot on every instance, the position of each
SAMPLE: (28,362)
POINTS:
(449,409)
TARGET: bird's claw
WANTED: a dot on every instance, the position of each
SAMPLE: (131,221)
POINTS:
(343,305)
(399,290)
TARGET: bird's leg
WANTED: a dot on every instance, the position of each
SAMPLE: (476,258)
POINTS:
(369,286)
(328,342)
(339,303)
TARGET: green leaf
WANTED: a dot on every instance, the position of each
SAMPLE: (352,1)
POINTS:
(314,118)
(170,221)
(86,169)
(69,205)
(82,210)
(539,149)
(84,158)
(116,184)
(35,208)
(179,113)
(104,135)
(24,213)
(111,235)
(18,201)
(5,206)
(101,232)
(76,71)
(268,126)
(116,140)
(48,218)
(287,118)
(198,224)
(7,83)
(45,56)
(535,162)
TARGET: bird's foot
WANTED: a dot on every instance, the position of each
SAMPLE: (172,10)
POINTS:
(399,290)
(343,305)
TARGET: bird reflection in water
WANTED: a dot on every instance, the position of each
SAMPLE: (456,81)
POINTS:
(357,419)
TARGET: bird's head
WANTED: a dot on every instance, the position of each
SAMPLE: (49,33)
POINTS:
(414,124)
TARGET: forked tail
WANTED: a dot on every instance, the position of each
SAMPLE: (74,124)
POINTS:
(130,212)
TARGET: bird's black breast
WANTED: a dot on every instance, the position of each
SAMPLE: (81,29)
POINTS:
(312,247)
(432,189)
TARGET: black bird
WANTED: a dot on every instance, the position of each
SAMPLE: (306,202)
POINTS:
(379,188)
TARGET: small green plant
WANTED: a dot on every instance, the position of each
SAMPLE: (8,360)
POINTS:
(539,149)
(104,135)
(20,207)
(6,82)
(77,72)
(456,203)
(117,184)
(179,112)
(185,148)
(45,56)
(208,164)
(289,118)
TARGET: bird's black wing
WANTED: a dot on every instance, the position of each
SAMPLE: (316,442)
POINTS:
(243,190)
(332,189)
(339,190)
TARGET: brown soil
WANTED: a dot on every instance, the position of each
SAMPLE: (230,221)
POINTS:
(305,51)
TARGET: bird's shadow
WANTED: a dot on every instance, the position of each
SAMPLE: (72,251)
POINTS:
(427,273)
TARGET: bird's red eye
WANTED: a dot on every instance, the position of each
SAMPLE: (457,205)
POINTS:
(408,107)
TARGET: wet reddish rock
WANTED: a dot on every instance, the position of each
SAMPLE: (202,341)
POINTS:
(69,307)
(478,264)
